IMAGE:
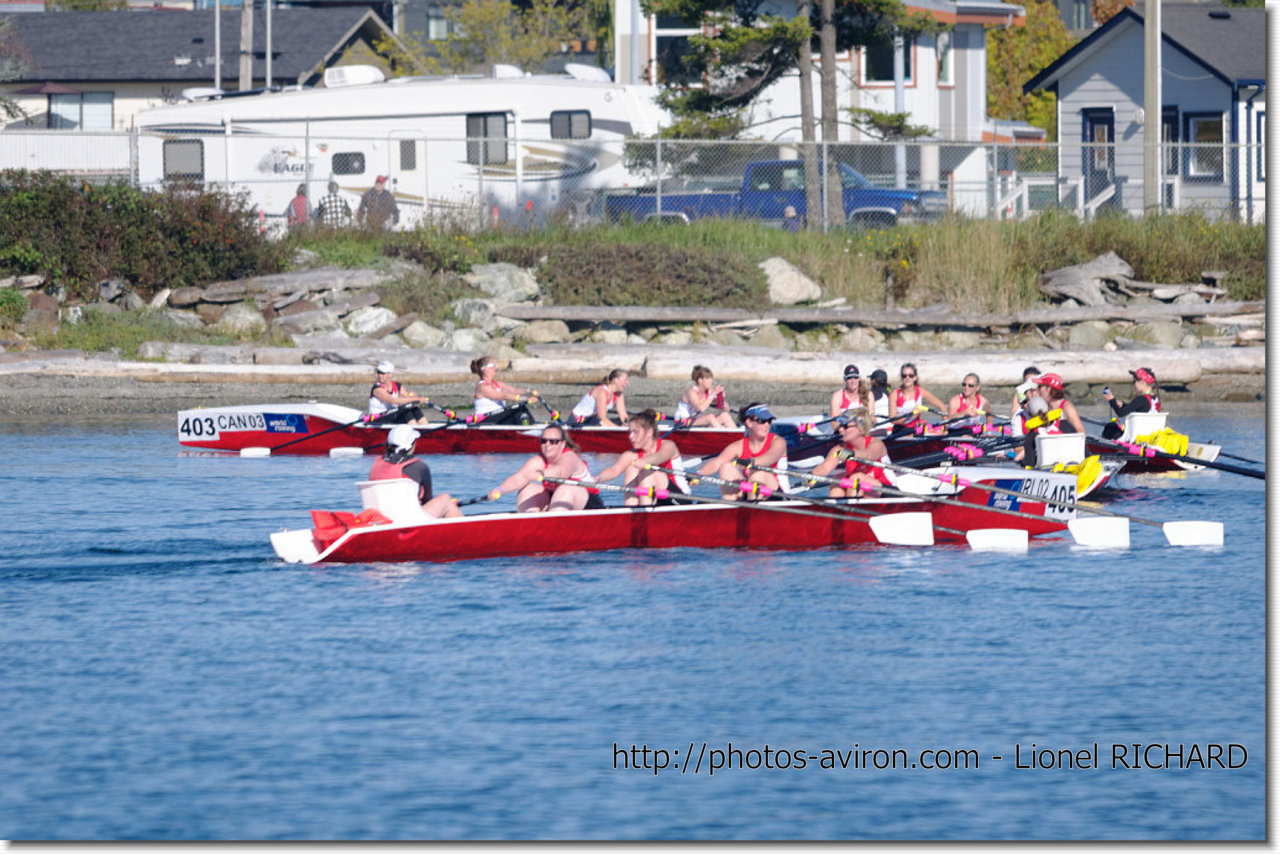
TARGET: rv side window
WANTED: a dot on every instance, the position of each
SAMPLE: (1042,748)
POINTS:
(183,160)
(348,163)
(408,155)
(492,127)
(570,125)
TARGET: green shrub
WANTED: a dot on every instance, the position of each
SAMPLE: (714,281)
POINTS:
(12,307)
(436,249)
(584,273)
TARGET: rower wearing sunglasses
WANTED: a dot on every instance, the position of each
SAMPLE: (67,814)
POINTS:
(557,457)
(911,396)
(969,406)
(760,447)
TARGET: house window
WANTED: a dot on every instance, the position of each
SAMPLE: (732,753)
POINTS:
(877,62)
(83,111)
(1203,135)
(408,155)
(946,65)
(183,160)
(348,163)
(570,125)
(492,128)
(1081,17)
(1169,136)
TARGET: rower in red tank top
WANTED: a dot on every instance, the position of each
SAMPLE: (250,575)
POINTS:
(647,450)
(759,446)
(854,427)
(911,396)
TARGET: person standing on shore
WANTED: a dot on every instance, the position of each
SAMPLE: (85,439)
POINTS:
(377,206)
(333,211)
(296,213)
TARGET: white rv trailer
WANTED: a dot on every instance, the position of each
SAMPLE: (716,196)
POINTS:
(523,146)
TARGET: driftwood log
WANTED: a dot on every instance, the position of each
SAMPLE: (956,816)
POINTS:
(1087,283)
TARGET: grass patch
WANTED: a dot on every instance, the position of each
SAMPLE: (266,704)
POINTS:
(124,334)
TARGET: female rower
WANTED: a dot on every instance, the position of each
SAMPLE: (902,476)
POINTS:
(398,461)
(855,442)
(492,395)
(703,402)
(969,406)
(1026,394)
(880,394)
(557,457)
(647,449)
(1053,394)
(594,407)
(854,393)
(910,397)
(1146,401)
(760,446)
(390,404)
(1029,375)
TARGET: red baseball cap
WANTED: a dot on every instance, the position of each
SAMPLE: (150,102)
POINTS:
(1053,381)
(380,179)
(1146,375)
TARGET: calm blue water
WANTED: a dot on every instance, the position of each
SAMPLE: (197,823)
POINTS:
(166,677)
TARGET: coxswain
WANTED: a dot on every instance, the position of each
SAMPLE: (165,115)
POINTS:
(760,447)
(492,396)
(1039,420)
(854,428)
(1029,375)
(969,406)
(1024,393)
(647,450)
(398,461)
(1147,400)
(607,395)
(911,397)
(389,403)
(557,457)
(702,404)
(1054,395)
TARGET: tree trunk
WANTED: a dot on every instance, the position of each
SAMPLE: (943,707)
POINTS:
(808,151)
(834,203)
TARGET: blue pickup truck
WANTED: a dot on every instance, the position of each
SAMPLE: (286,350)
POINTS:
(769,186)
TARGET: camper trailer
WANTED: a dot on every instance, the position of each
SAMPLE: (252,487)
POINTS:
(511,145)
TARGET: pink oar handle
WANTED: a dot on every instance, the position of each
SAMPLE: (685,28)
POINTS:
(652,492)
(849,483)
(755,487)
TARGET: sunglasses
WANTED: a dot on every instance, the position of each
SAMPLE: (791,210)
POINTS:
(549,441)
(969,385)
(908,376)
(762,421)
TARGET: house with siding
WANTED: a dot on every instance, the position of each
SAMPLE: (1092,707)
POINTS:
(94,71)
(1213,115)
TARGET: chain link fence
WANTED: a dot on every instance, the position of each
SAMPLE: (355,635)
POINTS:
(486,180)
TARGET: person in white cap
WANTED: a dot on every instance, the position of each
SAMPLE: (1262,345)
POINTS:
(398,461)
(389,403)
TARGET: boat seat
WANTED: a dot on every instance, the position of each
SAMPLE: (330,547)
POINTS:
(1142,424)
(1057,448)
(397,498)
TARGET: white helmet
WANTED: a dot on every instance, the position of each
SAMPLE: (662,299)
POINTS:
(1037,406)
(402,438)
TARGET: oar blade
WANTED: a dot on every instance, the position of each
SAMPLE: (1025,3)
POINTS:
(255,451)
(1193,533)
(346,451)
(1100,532)
(997,540)
(913,528)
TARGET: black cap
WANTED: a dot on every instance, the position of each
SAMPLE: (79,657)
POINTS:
(851,372)
(879,376)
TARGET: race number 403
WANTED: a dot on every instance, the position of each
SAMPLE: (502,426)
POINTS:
(210,426)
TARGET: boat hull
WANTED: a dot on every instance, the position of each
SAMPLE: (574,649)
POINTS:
(782,525)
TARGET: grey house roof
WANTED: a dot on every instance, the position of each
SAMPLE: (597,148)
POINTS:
(178,46)
(1228,42)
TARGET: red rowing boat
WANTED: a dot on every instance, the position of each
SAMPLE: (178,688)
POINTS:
(396,530)
(313,428)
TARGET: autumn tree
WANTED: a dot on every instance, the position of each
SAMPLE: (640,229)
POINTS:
(1015,55)
(12,65)
(485,33)
(1105,10)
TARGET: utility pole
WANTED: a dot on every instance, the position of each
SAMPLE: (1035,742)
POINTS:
(217,44)
(1153,109)
(246,46)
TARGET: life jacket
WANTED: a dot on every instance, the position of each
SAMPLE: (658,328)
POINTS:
(1048,424)
(385,470)
(378,406)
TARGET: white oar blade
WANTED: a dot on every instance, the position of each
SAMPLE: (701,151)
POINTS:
(346,451)
(1193,533)
(997,540)
(1100,532)
(255,451)
(907,529)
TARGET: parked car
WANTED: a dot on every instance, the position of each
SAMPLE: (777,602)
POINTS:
(769,187)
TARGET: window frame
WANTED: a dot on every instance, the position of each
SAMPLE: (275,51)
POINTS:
(1193,149)
(184,177)
(909,45)
(78,99)
(492,143)
(354,156)
(570,116)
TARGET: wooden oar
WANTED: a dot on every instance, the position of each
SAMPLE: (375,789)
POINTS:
(908,528)
(1093,532)
(979,539)
(265,451)
(887,528)
(1139,452)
